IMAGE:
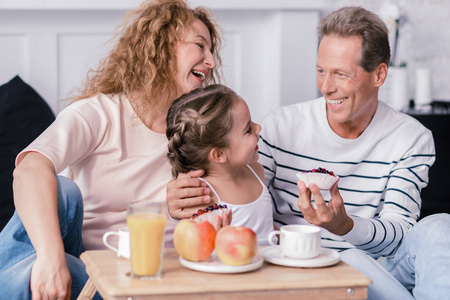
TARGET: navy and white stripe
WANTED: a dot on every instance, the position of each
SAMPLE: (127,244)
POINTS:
(381,172)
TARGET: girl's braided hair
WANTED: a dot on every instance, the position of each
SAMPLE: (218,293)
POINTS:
(196,123)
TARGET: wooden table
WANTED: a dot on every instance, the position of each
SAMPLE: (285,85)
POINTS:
(110,275)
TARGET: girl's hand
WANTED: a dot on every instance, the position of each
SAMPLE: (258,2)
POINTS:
(222,221)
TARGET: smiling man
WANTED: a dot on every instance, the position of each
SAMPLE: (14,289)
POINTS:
(381,156)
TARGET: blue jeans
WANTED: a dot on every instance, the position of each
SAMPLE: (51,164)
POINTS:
(17,254)
(418,269)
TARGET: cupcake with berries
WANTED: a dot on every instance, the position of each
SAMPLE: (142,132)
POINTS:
(210,212)
(321,177)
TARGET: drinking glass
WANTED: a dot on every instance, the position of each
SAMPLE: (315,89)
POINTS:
(146,222)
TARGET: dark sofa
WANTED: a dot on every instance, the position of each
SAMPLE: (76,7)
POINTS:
(23,116)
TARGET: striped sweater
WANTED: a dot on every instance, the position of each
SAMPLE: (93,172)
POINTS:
(381,172)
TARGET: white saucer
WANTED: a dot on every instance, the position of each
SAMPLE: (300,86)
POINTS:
(327,257)
(214,265)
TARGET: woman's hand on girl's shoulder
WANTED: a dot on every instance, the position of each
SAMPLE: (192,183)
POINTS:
(185,194)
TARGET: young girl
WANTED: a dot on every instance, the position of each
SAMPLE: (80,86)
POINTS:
(211,129)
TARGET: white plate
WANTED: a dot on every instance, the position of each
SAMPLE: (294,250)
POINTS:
(214,265)
(327,257)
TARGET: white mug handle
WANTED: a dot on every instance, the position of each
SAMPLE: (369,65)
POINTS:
(105,240)
(271,235)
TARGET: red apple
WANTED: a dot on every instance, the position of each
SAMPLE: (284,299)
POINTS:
(236,245)
(194,241)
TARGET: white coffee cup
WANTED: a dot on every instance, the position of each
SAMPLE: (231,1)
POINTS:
(298,241)
(123,242)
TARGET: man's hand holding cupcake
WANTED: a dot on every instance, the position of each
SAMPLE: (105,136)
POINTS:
(330,216)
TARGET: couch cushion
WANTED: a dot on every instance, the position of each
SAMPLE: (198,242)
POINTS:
(23,116)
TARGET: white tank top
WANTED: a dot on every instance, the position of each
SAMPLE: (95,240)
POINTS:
(256,215)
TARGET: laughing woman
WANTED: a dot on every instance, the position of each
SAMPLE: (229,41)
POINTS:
(112,141)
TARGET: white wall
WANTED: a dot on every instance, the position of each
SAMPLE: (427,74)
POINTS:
(270,51)
(51,50)
(269,56)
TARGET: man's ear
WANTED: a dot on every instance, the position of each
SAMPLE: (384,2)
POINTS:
(380,74)
(217,155)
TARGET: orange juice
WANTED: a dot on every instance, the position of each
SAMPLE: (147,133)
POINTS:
(146,243)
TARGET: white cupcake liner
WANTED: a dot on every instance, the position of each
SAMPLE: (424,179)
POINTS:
(323,181)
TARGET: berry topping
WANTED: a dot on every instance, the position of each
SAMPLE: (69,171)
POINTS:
(210,208)
(321,170)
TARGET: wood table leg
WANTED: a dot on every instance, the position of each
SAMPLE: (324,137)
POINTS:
(88,291)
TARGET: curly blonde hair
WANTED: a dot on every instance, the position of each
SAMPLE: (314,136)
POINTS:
(143,62)
(196,123)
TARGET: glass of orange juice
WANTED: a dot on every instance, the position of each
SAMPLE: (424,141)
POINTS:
(146,222)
